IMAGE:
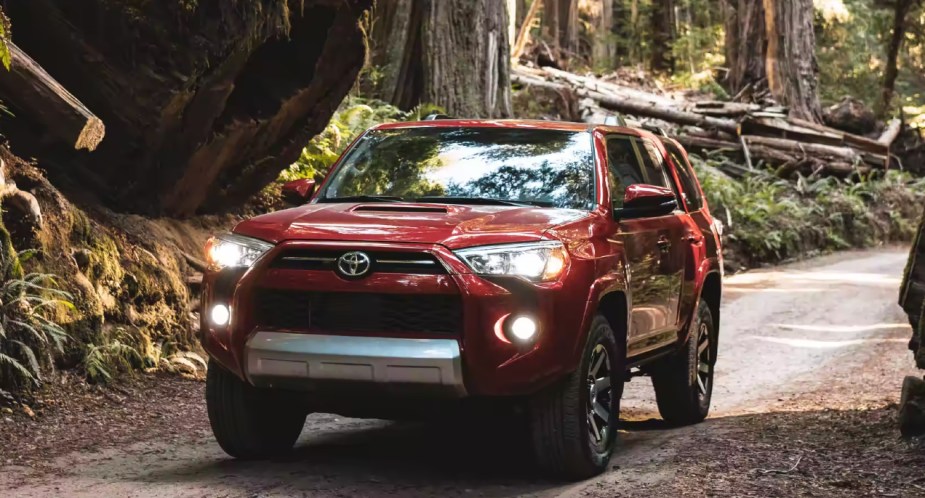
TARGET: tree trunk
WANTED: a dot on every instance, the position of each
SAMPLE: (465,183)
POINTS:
(453,53)
(745,44)
(560,19)
(790,62)
(203,104)
(901,11)
(396,48)
(661,23)
(599,17)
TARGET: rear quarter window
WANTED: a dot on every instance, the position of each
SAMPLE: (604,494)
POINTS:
(687,177)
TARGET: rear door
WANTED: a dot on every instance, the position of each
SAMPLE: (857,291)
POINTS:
(650,247)
(701,239)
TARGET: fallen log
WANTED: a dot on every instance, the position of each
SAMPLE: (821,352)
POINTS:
(629,105)
(805,131)
(890,132)
(803,148)
(757,152)
(31,90)
(596,85)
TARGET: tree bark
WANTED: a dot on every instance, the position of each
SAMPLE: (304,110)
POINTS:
(745,45)
(790,62)
(661,22)
(453,53)
(204,105)
(890,73)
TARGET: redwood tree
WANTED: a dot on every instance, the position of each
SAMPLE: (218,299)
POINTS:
(453,53)
(790,61)
(745,44)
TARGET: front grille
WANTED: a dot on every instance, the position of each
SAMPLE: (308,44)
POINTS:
(359,312)
(421,263)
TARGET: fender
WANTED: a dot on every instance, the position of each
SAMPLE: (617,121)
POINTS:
(706,268)
(612,282)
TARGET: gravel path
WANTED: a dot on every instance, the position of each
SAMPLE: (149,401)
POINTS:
(812,356)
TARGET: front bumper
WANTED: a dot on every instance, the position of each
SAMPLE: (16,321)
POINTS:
(312,361)
(483,362)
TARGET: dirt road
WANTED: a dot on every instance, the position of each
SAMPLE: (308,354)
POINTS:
(811,360)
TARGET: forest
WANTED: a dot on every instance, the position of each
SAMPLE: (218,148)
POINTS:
(132,130)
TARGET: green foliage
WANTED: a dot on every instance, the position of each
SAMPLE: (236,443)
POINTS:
(101,362)
(28,331)
(6,33)
(770,220)
(352,118)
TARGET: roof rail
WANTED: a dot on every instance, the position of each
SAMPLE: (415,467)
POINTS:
(435,116)
(658,130)
(615,120)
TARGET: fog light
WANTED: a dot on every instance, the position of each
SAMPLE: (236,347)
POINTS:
(523,328)
(220,314)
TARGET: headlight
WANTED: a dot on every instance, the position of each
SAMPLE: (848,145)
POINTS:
(537,261)
(230,250)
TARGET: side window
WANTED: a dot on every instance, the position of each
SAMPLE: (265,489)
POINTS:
(688,182)
(622,167)
(653,163)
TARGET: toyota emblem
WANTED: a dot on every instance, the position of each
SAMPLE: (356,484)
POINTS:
(354,264)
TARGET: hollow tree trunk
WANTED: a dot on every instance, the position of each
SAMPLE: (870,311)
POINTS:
(453,53)
(661,22)
(901,11)
(790,62)
(203,105)
(745,44)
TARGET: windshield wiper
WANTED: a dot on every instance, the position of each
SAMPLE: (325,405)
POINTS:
(488,201)
(362,198)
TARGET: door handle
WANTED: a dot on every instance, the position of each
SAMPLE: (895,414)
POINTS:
(695,239)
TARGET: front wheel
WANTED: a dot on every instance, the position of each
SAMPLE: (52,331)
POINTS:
(250,423)
(684,382)
(574,423)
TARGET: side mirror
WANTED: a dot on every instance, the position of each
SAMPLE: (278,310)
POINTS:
(644,201)
(299,191)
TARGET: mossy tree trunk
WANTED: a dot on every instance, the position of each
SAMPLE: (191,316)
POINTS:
(204,102)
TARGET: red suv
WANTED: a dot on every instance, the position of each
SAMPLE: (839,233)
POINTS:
(449,261)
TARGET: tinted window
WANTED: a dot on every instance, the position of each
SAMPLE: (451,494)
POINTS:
(688,182)
(546,167)
(654,165)
(623,167)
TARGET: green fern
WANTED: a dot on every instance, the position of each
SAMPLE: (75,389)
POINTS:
(28,331)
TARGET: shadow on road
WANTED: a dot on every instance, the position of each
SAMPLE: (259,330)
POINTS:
(490,458)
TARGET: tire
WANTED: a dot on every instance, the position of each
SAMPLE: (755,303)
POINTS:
(560,418)
(684,382)
(250,423)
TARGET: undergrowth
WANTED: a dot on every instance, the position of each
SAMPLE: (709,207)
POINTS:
(768,220)
(353,117)
(29,331)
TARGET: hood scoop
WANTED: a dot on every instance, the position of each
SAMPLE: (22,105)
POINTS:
(391,208)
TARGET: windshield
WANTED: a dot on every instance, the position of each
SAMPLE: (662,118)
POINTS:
(550,168)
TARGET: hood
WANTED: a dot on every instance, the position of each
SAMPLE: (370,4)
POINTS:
(451,225)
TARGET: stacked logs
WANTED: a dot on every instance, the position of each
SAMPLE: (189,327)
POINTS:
(748,132)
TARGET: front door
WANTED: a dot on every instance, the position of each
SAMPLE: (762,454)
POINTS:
(653,248)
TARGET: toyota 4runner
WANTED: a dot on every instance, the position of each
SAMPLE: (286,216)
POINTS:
(449,261)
